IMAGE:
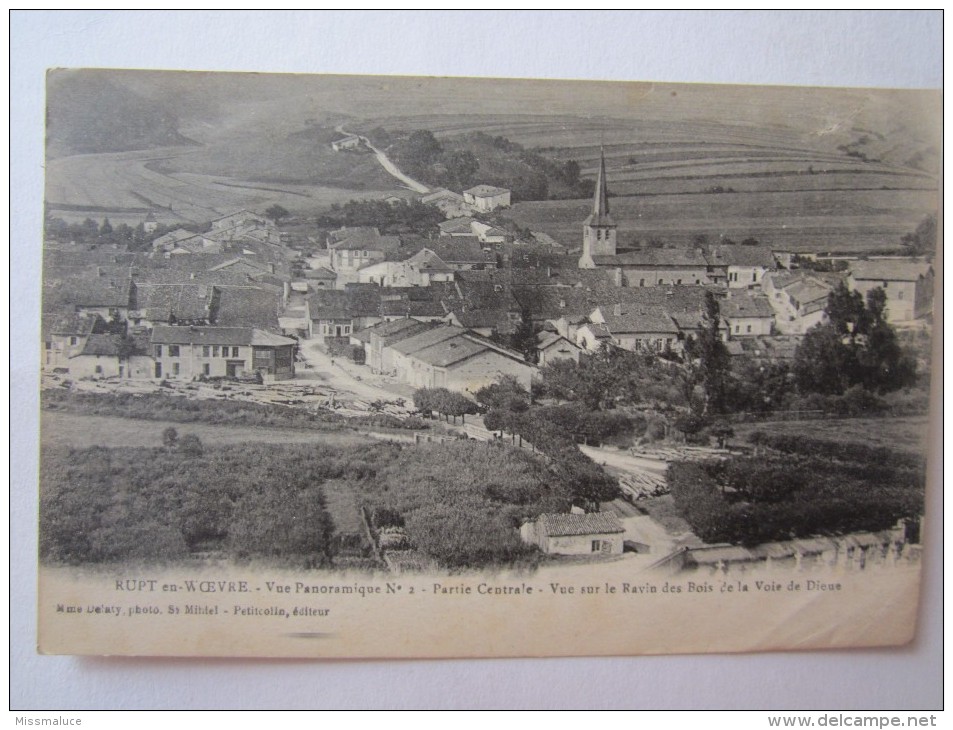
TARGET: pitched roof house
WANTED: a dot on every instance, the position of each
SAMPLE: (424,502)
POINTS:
(192,352)
(908,285)
(595,533)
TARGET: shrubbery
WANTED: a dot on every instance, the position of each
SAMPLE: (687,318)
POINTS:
(445,402)
(755,500)
(590,484)
(101,505)
(463,501)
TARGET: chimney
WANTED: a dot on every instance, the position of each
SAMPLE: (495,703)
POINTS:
(617,276)
(192,275)
(617,310)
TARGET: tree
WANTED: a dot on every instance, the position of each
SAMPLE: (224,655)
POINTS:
(421,149)
(506,394)
(170,437)
(461,166)
(856,346)
(190,445)
(923,240)
(713,358)
(106,228)
(276,213)
(571,172)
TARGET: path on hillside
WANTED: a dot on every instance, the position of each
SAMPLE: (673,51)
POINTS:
(387,164)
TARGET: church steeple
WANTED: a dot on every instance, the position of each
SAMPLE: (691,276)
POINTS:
(600,203)
(599,230)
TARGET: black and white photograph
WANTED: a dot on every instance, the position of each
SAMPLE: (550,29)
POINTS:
(328,356)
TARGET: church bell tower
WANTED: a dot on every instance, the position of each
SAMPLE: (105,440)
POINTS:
(599,230)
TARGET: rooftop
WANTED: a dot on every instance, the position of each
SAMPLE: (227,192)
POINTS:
(658,257)
(426,339)
(889,270)
(450,351)
(103,345)
(741,255)
(486,191)
(593,523)
(175,335)
(746,306)
(629,320)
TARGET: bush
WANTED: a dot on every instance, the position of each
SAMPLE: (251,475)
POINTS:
(190,445)
(282,523)
(754,500)
(655,428)
(387,517)
(130,539)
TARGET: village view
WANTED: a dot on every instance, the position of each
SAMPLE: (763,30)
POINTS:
(410,341)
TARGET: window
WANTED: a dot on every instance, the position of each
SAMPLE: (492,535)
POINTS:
(158,350)
(641,282)
(175,368)
(205,351)
(173,350)
(754,276)
(224,351)
(206,369)
(900,294)
(679,281)
(234,352)
(596,546)
(347,329)
(99,369)
(73,340)
(749,329)
(214,350)
(737,329)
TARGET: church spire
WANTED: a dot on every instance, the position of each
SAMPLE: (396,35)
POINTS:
(600,203)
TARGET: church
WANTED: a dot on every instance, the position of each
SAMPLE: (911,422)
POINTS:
(639,268)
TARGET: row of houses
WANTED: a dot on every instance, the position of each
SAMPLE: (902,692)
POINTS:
(240,227)
(215,312)
(86,346)
(480,198)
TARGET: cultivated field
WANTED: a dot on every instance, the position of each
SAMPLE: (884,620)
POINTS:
(802,169)
(844,220)
(805,180)
(909,434)
(124,186)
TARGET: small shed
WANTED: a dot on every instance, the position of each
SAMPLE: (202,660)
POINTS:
(575,534)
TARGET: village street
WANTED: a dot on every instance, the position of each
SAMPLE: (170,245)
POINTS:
(347,379)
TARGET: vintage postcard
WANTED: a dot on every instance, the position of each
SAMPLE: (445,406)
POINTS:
(442,367)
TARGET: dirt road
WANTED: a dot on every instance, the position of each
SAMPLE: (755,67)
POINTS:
(388,165)
(347,379)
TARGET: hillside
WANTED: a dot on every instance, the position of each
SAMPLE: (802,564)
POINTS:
(89,113)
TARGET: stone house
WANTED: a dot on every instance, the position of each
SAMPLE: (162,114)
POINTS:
(485,198)
(596,533)
(191,352)
(908,285)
